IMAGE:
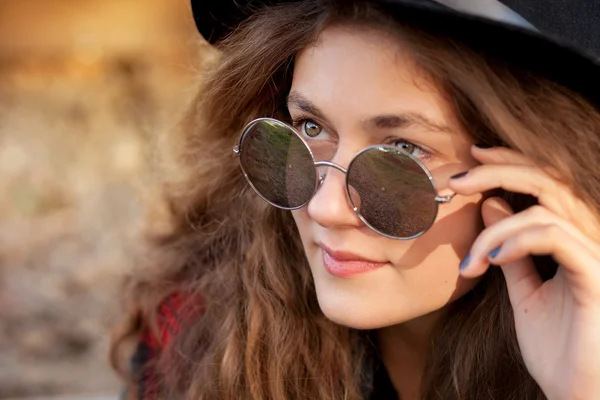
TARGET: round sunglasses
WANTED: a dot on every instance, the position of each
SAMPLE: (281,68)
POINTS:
(390,190)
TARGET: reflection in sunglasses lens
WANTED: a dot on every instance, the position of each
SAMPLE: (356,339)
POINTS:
(278,164)
(390,191)
(396,195)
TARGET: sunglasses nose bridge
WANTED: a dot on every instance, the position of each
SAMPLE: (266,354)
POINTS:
(327,164)
(330,206)
(332,165)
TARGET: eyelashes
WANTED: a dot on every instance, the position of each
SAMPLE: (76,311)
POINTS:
(423,155)
(419,152)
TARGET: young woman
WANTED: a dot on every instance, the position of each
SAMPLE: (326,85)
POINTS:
(411,210)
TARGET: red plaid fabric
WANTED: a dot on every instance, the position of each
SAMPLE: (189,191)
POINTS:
(170,318)
(150,346)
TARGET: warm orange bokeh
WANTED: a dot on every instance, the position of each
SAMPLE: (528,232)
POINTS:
(87,87)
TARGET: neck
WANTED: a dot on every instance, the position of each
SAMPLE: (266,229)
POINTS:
(404,349)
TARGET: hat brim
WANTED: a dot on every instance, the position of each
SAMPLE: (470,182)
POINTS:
(539,52)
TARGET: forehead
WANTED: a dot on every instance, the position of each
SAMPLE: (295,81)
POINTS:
(361,72)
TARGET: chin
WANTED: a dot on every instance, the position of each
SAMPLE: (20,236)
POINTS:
(361,313)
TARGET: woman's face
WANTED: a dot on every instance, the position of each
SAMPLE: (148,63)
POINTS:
(365,280)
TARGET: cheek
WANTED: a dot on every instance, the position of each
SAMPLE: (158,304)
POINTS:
(424,276)
(432,260)
(449,238)
(448,242)
(458,225)
(302,222)
(427,271)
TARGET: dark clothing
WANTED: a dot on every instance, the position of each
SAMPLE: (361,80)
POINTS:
(382,386)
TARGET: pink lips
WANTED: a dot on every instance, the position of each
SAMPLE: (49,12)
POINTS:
(345,265)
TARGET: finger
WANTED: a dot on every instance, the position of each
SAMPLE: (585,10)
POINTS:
(513,178)
(504,155)
(579,265)
(500,226)
(500,155)
(522,279)
(501,223)
(526,180)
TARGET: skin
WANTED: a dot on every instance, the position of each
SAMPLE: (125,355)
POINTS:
(421,276)
(353,75)
(557,321)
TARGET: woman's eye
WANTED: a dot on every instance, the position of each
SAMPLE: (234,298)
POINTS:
(311,129)
(412,149)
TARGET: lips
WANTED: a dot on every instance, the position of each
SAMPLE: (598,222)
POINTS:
(345,264)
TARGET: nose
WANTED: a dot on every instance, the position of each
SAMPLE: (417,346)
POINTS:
(330,206)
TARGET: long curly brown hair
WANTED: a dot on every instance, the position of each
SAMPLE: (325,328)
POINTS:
(254,329)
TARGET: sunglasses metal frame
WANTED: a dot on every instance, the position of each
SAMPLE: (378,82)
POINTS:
(237,150)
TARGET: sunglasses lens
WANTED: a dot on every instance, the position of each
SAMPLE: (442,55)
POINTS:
(278,164)
(392,192)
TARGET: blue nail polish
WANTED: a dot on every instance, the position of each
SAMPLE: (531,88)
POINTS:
(465,262)
(494,252)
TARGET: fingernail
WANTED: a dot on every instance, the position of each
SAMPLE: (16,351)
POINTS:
(459,175)
(465,262)
(483,146)
(494,252)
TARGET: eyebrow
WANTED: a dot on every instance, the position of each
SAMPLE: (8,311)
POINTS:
(387,121)
(301,102)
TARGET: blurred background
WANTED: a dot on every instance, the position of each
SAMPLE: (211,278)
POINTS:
(87,87)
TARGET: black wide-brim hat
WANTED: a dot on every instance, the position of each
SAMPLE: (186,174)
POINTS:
(559,39)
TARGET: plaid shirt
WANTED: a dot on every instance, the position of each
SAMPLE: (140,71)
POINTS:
(147,380)
(149,346)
